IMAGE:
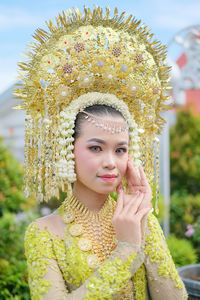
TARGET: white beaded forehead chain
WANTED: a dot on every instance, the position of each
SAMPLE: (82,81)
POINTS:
(107,125)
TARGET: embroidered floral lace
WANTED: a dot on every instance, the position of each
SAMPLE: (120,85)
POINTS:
(58,269)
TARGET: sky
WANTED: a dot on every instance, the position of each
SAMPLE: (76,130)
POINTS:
(20,18)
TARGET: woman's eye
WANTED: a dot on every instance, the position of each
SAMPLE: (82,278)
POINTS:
(121,150)
(95,148)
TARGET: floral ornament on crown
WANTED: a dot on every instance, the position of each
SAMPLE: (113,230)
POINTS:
(66,162)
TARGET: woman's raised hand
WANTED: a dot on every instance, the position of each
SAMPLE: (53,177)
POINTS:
(138,183)
(131,208)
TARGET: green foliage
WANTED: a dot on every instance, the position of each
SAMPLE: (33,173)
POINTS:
(13,222)
(11,180)
(185,153)
(185,178)
(196,236)
(13,268)
(182,251)
(184,210)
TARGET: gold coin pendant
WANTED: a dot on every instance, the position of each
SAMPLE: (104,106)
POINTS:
(69,216)
(93,261)
(76,230)
(84,244)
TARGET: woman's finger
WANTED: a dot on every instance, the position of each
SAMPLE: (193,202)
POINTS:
(142,212)
(119,205)
(132,177)
(143,178)
(134,192)
(134,204)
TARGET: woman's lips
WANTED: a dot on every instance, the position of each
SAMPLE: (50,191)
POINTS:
(108,178)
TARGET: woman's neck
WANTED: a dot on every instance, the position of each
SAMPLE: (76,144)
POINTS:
(92,200)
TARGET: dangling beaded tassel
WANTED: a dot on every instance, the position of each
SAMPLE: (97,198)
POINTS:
(48,155)
(68,190)
(27,162)
(41,163)
(35,154)
(149,165)
(143,157)
(157,170)
(54,174)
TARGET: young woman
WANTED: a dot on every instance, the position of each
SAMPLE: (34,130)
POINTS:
(93,89)
(92,247)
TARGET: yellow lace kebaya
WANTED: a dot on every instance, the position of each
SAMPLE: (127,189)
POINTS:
(59,268)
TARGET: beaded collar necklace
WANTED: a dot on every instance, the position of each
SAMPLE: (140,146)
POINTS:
(94,231)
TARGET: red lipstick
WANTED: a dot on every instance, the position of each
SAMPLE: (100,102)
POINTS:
(108,177)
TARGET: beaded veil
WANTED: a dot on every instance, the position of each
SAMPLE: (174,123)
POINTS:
(89,52)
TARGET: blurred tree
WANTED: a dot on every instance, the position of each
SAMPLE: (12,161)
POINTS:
(13,221)
(12,198)
(182,251)
(185,153)
(184,210)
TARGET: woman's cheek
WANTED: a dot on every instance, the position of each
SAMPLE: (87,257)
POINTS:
(84,160)
(80,153)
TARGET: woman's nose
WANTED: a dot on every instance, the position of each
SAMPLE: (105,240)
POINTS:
(109,161)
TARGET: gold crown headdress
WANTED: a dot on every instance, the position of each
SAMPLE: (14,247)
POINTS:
(84,53)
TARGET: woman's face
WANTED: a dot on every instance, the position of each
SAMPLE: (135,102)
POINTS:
(100,157)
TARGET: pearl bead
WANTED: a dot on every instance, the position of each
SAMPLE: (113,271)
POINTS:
(100,63)
(124,68)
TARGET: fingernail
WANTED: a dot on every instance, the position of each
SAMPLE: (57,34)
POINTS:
(139,192)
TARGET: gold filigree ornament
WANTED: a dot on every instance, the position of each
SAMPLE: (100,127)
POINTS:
(69,216)
(89,52)
(93,261)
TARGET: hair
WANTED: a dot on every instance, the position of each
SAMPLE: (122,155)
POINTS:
(98,110)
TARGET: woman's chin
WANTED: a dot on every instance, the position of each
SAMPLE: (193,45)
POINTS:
(106,191)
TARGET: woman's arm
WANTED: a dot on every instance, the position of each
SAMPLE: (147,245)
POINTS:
(163,279)
(46,280)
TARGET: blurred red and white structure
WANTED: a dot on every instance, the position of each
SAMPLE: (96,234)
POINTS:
(186,69)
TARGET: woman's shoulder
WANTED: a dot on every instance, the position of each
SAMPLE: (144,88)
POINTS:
(48,225)
(153,224)
(39,239)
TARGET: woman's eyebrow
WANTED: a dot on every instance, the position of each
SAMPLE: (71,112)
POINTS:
(103,142)
(123,143)
(97,141)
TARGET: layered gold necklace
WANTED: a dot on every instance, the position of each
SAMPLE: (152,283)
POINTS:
(94,231)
